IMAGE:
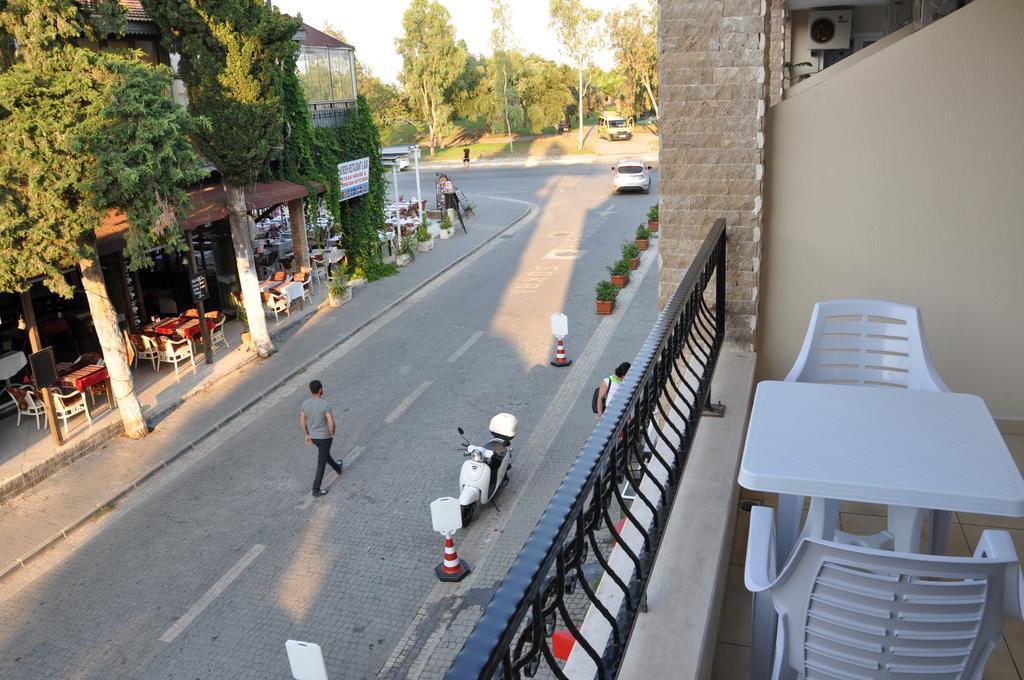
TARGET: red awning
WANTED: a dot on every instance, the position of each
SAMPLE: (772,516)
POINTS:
(208,205)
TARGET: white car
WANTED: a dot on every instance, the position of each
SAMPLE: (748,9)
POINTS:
(631,174)
(401,161)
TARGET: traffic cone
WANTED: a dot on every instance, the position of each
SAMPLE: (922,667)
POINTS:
(560,359)
(452,568)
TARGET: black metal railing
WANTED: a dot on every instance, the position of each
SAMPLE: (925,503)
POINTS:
(630,467)
(330,114)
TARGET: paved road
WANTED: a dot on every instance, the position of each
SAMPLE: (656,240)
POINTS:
(205,573)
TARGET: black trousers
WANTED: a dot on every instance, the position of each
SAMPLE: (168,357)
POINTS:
(323,459)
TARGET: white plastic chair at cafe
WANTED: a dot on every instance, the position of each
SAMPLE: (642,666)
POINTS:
(865,342)
(850,612)
(175,352)
(69,404)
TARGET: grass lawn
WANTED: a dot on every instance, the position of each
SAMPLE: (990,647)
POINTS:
(543,147)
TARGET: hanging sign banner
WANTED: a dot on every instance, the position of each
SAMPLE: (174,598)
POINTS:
(354,178)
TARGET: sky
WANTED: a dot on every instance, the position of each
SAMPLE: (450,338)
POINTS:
(372,26)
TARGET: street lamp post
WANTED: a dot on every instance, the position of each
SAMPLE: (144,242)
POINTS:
(415,148)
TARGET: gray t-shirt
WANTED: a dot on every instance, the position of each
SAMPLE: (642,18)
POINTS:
(316,411)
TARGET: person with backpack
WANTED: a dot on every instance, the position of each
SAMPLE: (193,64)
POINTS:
(606,390)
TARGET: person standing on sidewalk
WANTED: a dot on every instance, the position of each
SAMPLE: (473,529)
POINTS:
(317,422)
(609,386)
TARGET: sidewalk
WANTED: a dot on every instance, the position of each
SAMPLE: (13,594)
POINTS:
(188,416)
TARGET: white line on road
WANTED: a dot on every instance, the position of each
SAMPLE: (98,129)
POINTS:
(219,587)
(407,402)
(462,350)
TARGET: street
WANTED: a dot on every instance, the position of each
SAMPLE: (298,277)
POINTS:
(208,569)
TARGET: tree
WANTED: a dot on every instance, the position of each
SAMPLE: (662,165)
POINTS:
(577,29)
(633,34)
(82,134)
(543,93)
(504,85)
(233,56)
(431,61)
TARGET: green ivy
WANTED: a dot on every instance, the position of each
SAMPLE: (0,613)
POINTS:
(312,154)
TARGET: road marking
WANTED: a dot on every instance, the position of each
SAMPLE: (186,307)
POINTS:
(607,211)
(407,402)
(219,587)
(462,350)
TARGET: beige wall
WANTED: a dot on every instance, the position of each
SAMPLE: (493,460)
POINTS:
(902,178)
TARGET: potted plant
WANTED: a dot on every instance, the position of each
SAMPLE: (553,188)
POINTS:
(631,254)
(620,273)
(643,235)
(606,294)
(338,290)
(447,228)
(652,219)
(406,251)
(424,239)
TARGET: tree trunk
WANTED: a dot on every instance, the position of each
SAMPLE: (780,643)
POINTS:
(650,96)
(115,354)
(508,125)
(247,279)
(579,111)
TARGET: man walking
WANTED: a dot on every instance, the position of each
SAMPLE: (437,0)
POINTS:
(317,423)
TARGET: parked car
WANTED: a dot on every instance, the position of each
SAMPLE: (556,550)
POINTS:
(631,174)
(402,162)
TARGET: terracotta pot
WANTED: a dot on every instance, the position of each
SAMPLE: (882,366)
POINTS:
(246,340)
(634,263)
(619,281)
(653,226)
(605,307)
(641,243)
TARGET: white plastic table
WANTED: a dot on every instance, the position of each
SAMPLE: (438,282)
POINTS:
(910,450)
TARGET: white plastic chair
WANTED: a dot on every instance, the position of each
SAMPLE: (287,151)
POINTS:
(68,405)
(217,333)
(145,349)
(872,343)
(27,403)
(175,352)
(278,304)
(866,342)
(849,612)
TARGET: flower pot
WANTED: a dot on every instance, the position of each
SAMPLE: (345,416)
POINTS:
(652,225)
(246,340)
(402,259)
(447,234)
(619,281)
(634,263)
(425,246)
(641,243)
(605,307)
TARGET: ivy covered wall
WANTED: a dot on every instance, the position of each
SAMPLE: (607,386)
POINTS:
(312,154)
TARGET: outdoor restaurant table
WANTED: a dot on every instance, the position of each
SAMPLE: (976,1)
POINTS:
(85,377)
(182,326)
(910,450)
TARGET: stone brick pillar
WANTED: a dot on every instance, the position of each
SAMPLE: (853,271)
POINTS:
(713,70)
(777,50)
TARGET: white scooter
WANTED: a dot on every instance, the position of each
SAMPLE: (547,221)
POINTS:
(488,468)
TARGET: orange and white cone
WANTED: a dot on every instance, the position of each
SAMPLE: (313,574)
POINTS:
(452,568)
(560,358)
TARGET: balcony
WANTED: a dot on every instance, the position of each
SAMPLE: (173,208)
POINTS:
(330,114)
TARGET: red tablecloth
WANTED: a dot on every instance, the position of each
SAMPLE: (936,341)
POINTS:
(191,328)
(85,377)
(268,286)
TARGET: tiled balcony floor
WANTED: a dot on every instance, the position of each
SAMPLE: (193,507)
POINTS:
(733,654)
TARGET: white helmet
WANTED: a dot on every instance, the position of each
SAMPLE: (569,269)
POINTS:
(503,425)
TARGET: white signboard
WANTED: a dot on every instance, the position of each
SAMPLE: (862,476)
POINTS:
(354,177)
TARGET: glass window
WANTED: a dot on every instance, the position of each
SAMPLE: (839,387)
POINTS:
(315,75)
(341,74)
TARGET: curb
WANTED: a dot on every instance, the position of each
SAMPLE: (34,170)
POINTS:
(114,499)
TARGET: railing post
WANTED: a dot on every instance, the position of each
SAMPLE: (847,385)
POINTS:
(712,409)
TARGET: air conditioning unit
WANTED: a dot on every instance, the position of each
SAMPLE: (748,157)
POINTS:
(829,29)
